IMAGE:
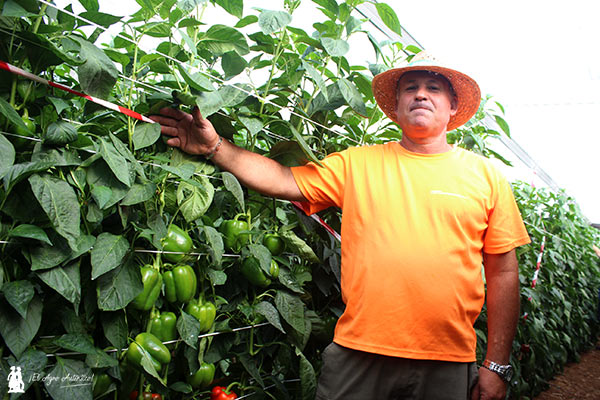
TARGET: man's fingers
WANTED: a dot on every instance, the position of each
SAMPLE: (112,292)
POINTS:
(197,115)
(174,142)
(174,113)
(169,130)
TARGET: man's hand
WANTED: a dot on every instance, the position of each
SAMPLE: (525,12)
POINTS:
(489,386)
(190,132)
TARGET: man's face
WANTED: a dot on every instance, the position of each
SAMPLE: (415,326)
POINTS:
(425,102)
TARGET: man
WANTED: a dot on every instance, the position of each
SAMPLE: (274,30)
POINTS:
(419,217)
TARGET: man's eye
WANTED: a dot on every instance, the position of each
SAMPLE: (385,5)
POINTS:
(434,88)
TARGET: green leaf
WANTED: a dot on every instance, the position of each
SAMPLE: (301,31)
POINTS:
(29,232)
(330,6)
(125,152)
(60,133)
(59,104)
(183,171)
(389,17)
(82,343)
(65,280)
(272,21)
(215,243)
(100,174)
(220,39)
(7,155)
(12,9)
(197,81)
(101,195)
(98,74)
(44,257)
(17,331)
(145,135)
(308,378)
(291,309)
(19,294)
(316,77)
(352,96)
(247,20)
(108,253)
(117,288)
(59,201)
(233,186)
(139,193)
(194,197)
(70,380)
(502,124)
(269,311)
(254,125)
(262,254)
(233,64)
(304,146)
(148,365)
(233,7)
(101,18)
(250,365)
(335,47)
(115,329)
(115,161)
(189,329)
(9,112)
(298,246)
(209,103)
(78,342)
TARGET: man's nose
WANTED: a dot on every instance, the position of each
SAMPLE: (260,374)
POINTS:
(421,93)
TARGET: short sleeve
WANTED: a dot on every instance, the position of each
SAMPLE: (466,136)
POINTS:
(323,186)
(506,230)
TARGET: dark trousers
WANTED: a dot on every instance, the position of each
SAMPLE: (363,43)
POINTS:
(355,375)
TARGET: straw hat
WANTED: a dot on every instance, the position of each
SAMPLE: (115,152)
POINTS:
(467,91)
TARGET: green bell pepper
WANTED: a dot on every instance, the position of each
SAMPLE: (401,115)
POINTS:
(203,377)
(163,325)
(158,352)
(101,384)
(235,234)
(274,270)
(253,272)
(204,312)
(152,281)
(177,240)
(180,283)
(274,243)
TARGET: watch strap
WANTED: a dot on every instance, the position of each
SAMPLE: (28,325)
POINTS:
(504,371)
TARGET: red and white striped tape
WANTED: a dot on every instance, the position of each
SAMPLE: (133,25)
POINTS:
(538,263)
(304,207)
(16,70)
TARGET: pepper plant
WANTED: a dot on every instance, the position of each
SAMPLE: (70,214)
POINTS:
(101,262)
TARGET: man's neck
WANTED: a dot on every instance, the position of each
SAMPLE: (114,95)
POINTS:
(426,145)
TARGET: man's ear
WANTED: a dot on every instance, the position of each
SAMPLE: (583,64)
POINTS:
(453,105)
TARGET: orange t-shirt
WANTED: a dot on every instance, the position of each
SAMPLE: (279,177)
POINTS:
(413,230)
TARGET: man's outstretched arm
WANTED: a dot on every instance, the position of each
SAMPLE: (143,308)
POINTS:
(196,135)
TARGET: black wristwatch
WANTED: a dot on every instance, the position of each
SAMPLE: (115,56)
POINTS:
(504,371)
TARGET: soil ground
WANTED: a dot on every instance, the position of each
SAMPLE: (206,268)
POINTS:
(579,381)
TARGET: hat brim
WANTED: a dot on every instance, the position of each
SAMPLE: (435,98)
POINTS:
(468,94)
